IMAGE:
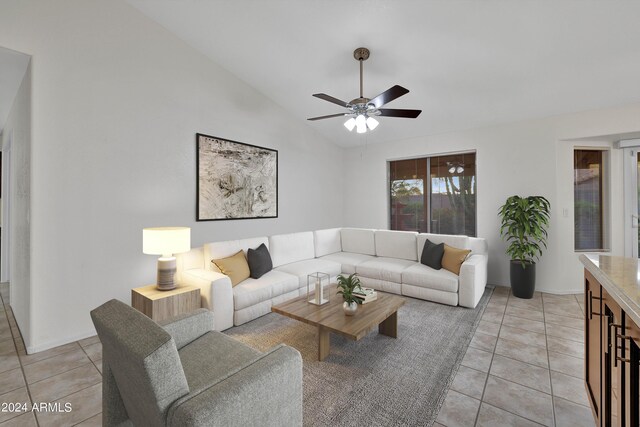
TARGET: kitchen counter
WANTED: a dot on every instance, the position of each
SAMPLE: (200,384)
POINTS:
(620,277)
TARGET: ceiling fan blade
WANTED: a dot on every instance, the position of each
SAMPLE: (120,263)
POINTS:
(328,117)
(388,96)
(331,99)
(392,112)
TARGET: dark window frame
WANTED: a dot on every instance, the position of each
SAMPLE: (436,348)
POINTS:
(601,206)
(427,193)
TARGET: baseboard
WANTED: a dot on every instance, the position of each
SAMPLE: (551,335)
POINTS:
(562,292)
(550,291)
(51,344)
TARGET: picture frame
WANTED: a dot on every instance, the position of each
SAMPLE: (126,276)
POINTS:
(235,180)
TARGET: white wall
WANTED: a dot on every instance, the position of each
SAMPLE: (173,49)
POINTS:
(525,158)
(117,101)
(16,145)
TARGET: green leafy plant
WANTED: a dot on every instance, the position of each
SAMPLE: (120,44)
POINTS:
(347,285)
(524,227)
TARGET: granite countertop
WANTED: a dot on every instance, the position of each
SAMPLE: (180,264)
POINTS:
(620,277)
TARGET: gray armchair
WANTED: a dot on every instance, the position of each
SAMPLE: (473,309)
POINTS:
(183,373)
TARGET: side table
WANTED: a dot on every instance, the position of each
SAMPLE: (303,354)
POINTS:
(160,305)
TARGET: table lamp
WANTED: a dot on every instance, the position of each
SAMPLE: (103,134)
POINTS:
(166,241)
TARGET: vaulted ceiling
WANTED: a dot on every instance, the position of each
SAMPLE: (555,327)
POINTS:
(467,63)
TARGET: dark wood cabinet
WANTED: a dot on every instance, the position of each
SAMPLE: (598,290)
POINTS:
(612,403)
(631,361)
(593,344)
(612,358)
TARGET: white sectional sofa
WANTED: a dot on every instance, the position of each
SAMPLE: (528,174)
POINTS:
(384,260)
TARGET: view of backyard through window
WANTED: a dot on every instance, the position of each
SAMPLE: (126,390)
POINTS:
(434,194)
(587,190)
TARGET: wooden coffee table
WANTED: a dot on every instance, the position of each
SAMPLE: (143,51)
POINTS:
(330,317)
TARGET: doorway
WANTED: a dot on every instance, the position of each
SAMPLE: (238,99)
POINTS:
(5,191)
(631,196)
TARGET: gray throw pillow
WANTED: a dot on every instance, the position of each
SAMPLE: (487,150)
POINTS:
(431,255)
(259,261)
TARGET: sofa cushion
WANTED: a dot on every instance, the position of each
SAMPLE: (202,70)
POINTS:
(358,240)
(288,248)
(255,291)
(453,258)
(259,261)
(451,240)
(432,254)
(213,357)
(396,244)
(235,266)
(327,241)
(426,277)
(302,269)
(348,260)
(389,269)
(227,248)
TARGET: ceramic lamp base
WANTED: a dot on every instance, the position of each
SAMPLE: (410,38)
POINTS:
(166,273)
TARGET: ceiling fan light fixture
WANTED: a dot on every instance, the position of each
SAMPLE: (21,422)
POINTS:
(372,123)
(350,124)
(361,123)
(455,167)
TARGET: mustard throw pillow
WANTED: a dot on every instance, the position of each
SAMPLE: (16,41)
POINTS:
(453,258)
(235,266)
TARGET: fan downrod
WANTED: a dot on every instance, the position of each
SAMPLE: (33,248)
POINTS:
(361,54)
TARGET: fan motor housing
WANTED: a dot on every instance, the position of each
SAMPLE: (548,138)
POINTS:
(357,101)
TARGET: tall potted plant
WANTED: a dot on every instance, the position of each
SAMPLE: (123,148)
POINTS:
(524,227)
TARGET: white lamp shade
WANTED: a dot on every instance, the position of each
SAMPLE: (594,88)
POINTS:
(166,240)
(372,123)
(361,124)
(350,124)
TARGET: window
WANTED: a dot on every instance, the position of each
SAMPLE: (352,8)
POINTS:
(434,194)
(587,197)
(407,194)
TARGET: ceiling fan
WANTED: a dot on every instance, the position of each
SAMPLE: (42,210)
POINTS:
(363,110)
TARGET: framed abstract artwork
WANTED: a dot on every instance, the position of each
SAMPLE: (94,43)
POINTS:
(235,180)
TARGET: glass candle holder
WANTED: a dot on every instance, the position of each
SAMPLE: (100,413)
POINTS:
(316,284)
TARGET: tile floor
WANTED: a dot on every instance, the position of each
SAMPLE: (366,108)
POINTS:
(65,374)
(522,368)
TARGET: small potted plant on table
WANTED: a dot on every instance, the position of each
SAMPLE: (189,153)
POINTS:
(346,286)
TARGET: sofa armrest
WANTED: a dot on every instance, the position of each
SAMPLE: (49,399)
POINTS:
(248,396)
(188,327)
(473,279)
(216,293)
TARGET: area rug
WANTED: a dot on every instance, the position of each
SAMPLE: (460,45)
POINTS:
(377,381)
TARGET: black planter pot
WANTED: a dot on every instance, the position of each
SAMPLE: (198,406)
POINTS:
(523,279)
